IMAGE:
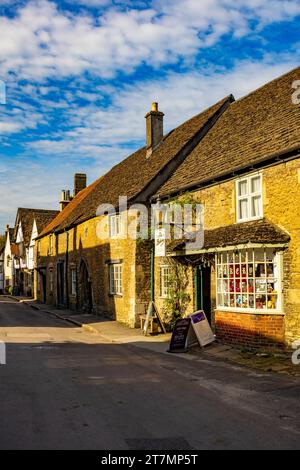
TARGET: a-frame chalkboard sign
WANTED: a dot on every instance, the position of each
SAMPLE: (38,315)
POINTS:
(152,314)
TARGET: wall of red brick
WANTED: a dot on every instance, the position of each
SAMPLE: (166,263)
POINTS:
(250,330)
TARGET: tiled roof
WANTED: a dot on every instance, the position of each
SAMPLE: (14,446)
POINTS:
(261,124)
(14,249)
(131,176)
(67,212)
(27,216)
(43,219)
(258,231)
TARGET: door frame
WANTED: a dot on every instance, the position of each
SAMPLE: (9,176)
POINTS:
(202,285)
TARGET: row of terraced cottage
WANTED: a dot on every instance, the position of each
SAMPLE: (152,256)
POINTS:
(240,160)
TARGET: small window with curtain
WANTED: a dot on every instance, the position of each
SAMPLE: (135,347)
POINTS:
(249,198)
(115,279)
(114,225)
(165,281)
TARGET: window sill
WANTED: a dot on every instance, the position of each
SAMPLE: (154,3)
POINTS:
(250,311)
(249,219)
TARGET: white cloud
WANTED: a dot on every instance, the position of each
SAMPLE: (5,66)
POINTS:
(102,133)
(9,127)
(42,41)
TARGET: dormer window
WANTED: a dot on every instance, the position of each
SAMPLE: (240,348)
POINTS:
(249,198)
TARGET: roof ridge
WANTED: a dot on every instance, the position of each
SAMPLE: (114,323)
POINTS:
(266,84)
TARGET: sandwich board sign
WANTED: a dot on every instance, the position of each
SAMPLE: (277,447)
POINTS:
(190,330)
(202,328)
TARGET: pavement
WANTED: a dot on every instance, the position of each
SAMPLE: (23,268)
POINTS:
(261,360)
(64,387)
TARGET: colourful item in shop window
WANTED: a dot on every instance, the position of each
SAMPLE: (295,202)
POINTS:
(231,270)
(237,271)
(237,285)
(273,299)
(251,288)
(250,270)
(244,270)
(231,286)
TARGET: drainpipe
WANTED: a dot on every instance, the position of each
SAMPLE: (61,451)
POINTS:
(152,273)
(67,272)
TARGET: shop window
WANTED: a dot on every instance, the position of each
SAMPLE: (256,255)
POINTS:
(248,279)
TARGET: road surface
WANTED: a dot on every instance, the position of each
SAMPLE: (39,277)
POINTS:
(64,388)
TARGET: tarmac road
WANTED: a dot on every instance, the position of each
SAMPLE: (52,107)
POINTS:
(64,388)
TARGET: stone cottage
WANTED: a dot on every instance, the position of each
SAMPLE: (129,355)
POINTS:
(246,174)
(240,161)
(110,274)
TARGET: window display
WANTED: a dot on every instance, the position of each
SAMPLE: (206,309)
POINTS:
(248,279)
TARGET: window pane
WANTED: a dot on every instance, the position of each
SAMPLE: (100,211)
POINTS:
(259,255)
(255,206)
(255,184)
(242,188)
(243,209)
(260,301)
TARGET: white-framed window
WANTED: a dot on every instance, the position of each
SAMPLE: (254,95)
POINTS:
(165,274)
(114,225)
(50,244)
(249,279)
(115,279)
(73,281)
(249,202)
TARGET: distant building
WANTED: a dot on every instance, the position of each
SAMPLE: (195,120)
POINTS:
(27,226)
(2,270)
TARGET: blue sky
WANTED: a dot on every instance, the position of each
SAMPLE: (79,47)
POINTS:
(80,76)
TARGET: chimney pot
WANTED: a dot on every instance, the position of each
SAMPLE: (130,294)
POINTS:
(65,199)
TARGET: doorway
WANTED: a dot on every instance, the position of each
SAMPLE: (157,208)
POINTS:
(60,284)
(85,300)
(203,290)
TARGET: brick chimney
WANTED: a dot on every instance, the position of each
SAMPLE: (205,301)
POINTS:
(154,128)
(65,199)
(79,183)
